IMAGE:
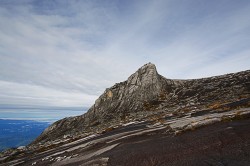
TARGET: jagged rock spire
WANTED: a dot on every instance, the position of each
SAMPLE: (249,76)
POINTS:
(147,74)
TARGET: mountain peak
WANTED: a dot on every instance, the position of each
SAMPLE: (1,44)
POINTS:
(148,67)
(149,64)
(147,74)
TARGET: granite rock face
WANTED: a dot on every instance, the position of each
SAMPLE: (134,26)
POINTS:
(145,92)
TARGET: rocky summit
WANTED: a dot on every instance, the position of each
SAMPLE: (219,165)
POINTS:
(150,120)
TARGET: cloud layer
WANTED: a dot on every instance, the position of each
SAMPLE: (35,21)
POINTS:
(65,53)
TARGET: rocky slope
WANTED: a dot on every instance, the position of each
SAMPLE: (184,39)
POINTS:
(146,92)
(218,138)
(160,120)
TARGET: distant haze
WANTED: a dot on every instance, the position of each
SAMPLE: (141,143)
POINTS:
(42,114)
(66,52)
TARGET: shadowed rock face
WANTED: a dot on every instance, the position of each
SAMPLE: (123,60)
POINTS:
(146,91)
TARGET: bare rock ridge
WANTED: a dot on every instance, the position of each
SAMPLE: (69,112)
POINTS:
(117,101)
(146,93)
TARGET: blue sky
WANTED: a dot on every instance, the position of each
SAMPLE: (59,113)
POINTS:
(65,53)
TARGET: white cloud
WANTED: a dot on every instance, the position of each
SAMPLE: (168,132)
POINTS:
(27,94)
(68,52)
